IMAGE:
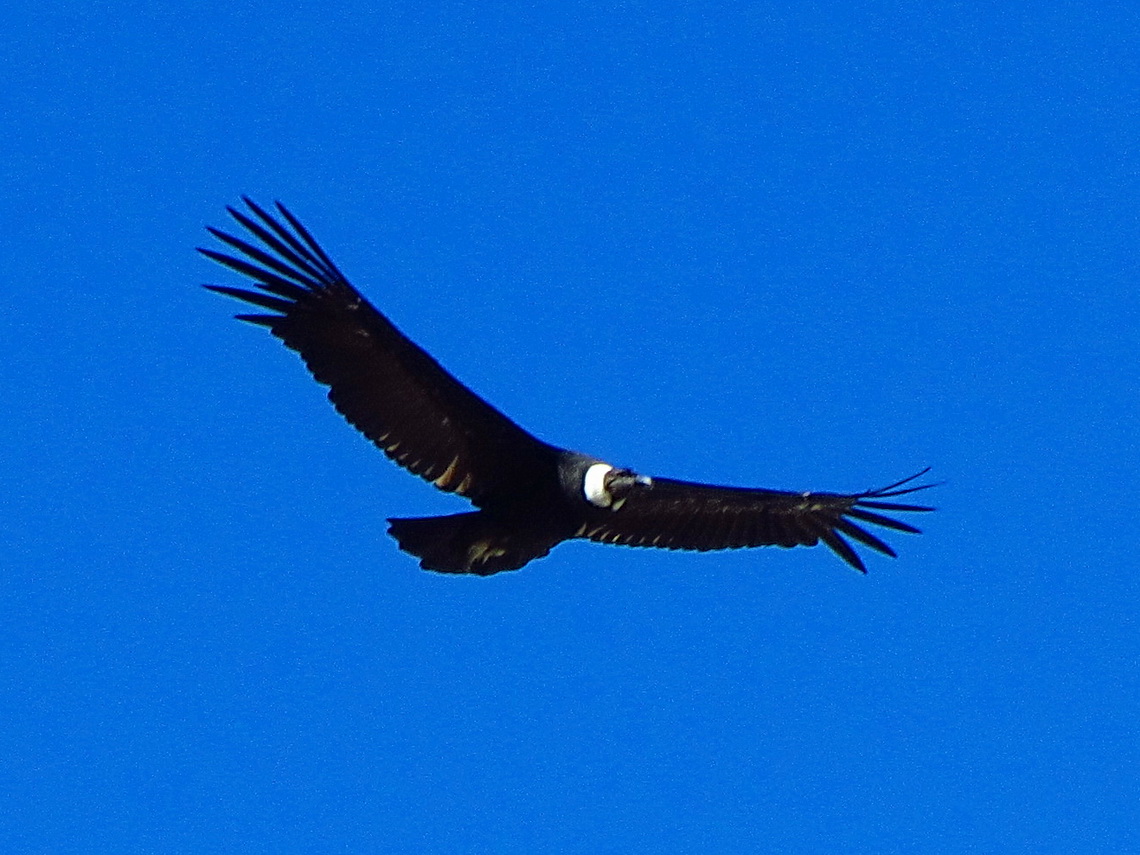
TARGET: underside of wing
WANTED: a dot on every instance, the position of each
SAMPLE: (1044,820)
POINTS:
(683,515)
(388,387)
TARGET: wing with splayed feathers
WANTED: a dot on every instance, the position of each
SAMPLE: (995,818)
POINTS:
(683,515)
(384,384)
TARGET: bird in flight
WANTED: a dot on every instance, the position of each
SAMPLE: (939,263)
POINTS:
(529,496)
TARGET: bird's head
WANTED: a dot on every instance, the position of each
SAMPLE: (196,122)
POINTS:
(607,487)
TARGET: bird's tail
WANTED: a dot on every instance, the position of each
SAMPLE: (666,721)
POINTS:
(468,543)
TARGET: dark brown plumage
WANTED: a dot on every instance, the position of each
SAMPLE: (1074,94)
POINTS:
(530,495)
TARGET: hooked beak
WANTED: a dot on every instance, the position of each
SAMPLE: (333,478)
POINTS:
(622,481)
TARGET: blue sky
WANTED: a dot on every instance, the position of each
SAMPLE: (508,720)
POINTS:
(806,247)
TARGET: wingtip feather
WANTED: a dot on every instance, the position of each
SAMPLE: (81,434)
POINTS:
(843,549)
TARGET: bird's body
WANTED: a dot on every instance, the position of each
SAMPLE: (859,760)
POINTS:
(529,495)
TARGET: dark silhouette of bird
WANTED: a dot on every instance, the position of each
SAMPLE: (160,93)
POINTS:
(529,495)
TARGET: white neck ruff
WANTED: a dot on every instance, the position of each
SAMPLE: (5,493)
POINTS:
(594,485)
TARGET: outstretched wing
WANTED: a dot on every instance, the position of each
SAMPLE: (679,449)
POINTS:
(389,388)
(682,515)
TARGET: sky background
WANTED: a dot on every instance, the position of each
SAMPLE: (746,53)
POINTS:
(815,246)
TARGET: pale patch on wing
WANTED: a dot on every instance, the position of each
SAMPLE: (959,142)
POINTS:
(447,480)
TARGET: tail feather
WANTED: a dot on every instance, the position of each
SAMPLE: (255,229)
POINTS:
(468,543)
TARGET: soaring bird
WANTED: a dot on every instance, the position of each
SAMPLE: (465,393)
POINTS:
(529,495)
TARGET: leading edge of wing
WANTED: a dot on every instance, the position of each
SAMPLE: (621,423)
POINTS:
(381,381)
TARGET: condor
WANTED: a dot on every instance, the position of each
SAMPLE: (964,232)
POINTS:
(530,496)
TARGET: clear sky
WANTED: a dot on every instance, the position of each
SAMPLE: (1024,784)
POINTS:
(815,246)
